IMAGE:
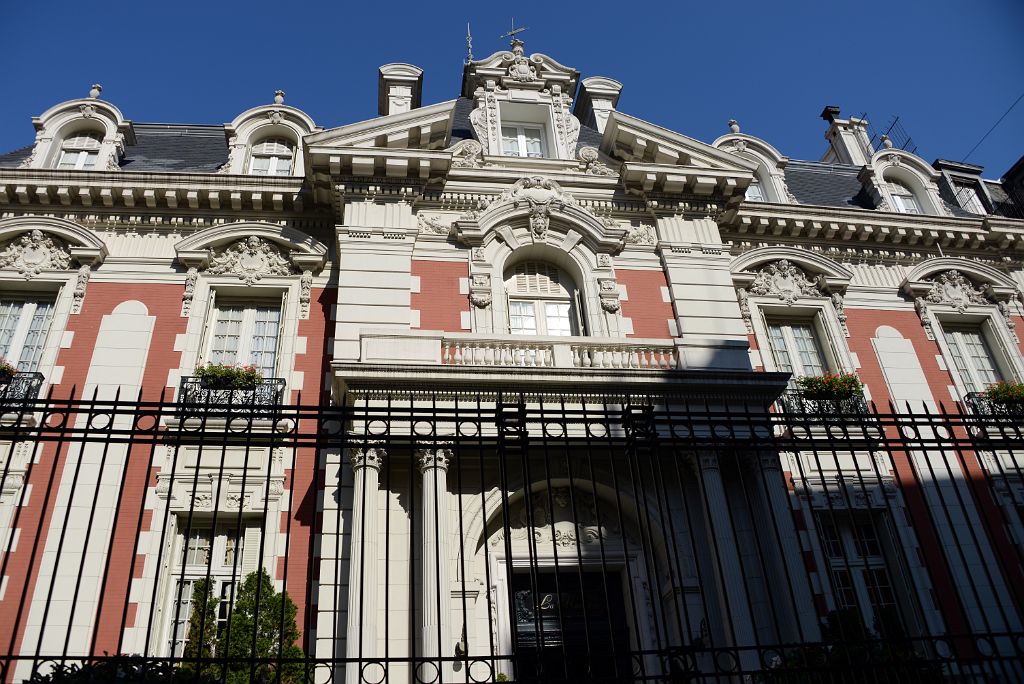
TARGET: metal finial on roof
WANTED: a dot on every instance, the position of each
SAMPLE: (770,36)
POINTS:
(278,97)
(734,126)
(513,34)
(95,90)
(469,44)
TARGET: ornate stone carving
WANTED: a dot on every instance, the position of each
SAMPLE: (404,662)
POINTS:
(592,163)
(604,260)
(433,224)
(32,253)
(305,292)
(235,151)
(541,195)
(521,70)
(81,280)
(744,300)
(1007,314)
(640,235)
(784,280)
(368,457)
(563,517)
(433,458)
(480,300)
(467,154)
(87,110)
(202,501)
(952,288)
(234,501)
(251,260)
(539,219)
(479,254)
(922,312)
(567,126)
(485,117)
(275,116)
(191,278)
(840,306)
(112,162)
(480,290)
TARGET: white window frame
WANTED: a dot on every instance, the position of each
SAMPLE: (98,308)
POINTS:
(989,322)
(820,311)
(221,573)
(23,327)
(273,158)
(83,152)
(520,128)
(539,302)
(757,185)
(248,324)
(968,198)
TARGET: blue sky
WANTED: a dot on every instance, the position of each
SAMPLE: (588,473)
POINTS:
(948,68)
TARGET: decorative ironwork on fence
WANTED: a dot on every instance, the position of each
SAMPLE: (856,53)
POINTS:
(460,537)
(22,387)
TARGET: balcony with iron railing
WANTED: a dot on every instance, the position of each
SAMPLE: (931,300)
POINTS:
(197,396)
(801,403)
(22,388)
(980,404)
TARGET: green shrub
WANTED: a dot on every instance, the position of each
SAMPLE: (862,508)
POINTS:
(222,376)
(831,386)
(1005,392)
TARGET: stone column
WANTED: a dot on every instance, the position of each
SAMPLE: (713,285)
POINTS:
(361,628)
(778,523)
(734,604)
(436,584)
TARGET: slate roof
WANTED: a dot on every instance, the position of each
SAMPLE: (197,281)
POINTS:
(176,148)
(13,159)
(1003,204)
(827,185)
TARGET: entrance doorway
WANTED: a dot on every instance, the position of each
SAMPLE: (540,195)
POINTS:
(570,625)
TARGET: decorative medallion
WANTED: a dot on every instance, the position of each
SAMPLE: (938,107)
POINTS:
(521,70)
(784,280)
(251,260)
(32,253)
(952,288)
(541,195)
(592,163)
(467,154)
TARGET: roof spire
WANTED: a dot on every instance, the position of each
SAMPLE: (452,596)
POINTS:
(469,44)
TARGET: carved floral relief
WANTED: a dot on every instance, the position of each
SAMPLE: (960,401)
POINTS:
(34,252)
(251,260)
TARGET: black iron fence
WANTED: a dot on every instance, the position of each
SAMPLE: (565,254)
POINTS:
(459,537)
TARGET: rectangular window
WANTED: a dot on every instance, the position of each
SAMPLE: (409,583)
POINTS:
(858,568)
(795,348)
(246,333)
(522,318)
(972,357)
(967,198)
(217,554)
(519,140)
(540,317)
(23,327)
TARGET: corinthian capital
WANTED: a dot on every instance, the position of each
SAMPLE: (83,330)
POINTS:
(433,458)
(367,457)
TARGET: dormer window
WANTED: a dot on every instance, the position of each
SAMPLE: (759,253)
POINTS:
(903,199)
(79,151)
(541,300)
(272,157)
(523,140)
(967,198)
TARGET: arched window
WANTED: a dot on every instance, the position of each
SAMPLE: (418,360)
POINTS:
(903,198)
(755,193)
(541,300)
(79,151)
(272,157)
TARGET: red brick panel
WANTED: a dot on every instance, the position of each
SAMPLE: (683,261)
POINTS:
(645,307)
(439,302)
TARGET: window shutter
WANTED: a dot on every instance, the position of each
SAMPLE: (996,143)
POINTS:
(251,551)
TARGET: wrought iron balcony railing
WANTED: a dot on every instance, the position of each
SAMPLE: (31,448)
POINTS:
(797,402)
(195,396)
(22,387)
(981,405)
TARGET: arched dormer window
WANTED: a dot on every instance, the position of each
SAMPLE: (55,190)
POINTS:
(541,300)
(755,192)
(903,198)
(272,157)
(80,151)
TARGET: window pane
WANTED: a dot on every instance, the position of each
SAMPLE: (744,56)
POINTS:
(68,160)
(509,141)
(556,318)
(282,166)
(264,339)
(968,199)
(754,193)
(778,343)
(534,142)
(260,166)
(198,547)
(811,362)
(522,318)
(88,159)
(32,349)
(179,622)
(10,314)
(226,335)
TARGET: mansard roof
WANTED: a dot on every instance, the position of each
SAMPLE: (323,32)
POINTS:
(825,184)
(177,148)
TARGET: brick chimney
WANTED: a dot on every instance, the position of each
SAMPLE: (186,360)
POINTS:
(399,88)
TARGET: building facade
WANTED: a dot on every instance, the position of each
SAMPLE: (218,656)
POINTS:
(530,404)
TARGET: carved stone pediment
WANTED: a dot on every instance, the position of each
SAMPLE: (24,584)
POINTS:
(251,260)
(954,289)
(540,195)
(784,280)
(34,252)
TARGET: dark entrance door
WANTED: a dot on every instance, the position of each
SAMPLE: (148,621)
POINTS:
(571,626)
